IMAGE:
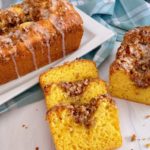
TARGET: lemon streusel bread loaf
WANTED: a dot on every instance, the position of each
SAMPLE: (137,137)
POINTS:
(36,33)
(130,72)
(80,113)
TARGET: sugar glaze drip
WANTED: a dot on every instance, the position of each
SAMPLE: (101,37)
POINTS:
(54,21)
(54,3)
(46,35)
(29,46)
(15,64)
(12,54)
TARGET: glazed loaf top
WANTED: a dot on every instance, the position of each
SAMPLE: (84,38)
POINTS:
(134,56)
(42,18)
(35,10)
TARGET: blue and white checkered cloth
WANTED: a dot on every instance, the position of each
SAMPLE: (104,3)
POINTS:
(118,15)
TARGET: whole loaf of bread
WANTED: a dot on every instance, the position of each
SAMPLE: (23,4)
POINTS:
(35,33)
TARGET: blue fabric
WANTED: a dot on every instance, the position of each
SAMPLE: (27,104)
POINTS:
(118,15)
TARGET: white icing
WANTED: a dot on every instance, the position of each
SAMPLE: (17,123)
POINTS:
(54,3)
(37,31)
(44,13)
(1,51)
(13,54)
(15,64)
(12,51)
(67,4)
(54,21)
(43,31)
(29,46)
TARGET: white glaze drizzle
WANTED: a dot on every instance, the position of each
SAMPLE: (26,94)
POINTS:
(1,52)
(69,8)
(66,4)
(29,46)
(43,31)
(37,32)
(53,20)
(14,60)
(54,3)
(15,64)
(12,54)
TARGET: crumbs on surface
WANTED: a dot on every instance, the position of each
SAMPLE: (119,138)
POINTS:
(25,126)
(36,148)
(133,137)
(147,116)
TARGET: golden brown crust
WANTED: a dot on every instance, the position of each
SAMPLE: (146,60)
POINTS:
(25,47)
(133,56)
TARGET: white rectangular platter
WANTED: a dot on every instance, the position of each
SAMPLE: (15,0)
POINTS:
(15,137)
(94,35)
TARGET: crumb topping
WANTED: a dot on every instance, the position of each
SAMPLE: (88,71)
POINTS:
(28,11)
(31,12)
(75,88)
(134,56)
(82,113)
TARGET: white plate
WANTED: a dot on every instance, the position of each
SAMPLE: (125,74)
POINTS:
(14,136)
(94,35)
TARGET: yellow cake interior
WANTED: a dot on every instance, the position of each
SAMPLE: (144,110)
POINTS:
(122,86)
(104,134)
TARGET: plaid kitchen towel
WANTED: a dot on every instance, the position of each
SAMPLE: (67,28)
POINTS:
(118,15)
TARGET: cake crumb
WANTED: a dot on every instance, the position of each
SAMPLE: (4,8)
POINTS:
(147,145)
(133,137)
(25,126)
(147,116)
(36,148)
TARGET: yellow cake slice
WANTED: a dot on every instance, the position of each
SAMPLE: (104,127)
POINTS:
(91,126)
(130,72)
(72,92)
(80,113)
(73,71)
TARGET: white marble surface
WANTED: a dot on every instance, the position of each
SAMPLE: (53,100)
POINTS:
(15,137)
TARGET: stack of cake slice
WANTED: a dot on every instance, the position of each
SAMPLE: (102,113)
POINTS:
(81,115)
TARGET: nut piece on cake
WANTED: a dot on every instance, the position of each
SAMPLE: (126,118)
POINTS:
(80,113)
(130,72)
